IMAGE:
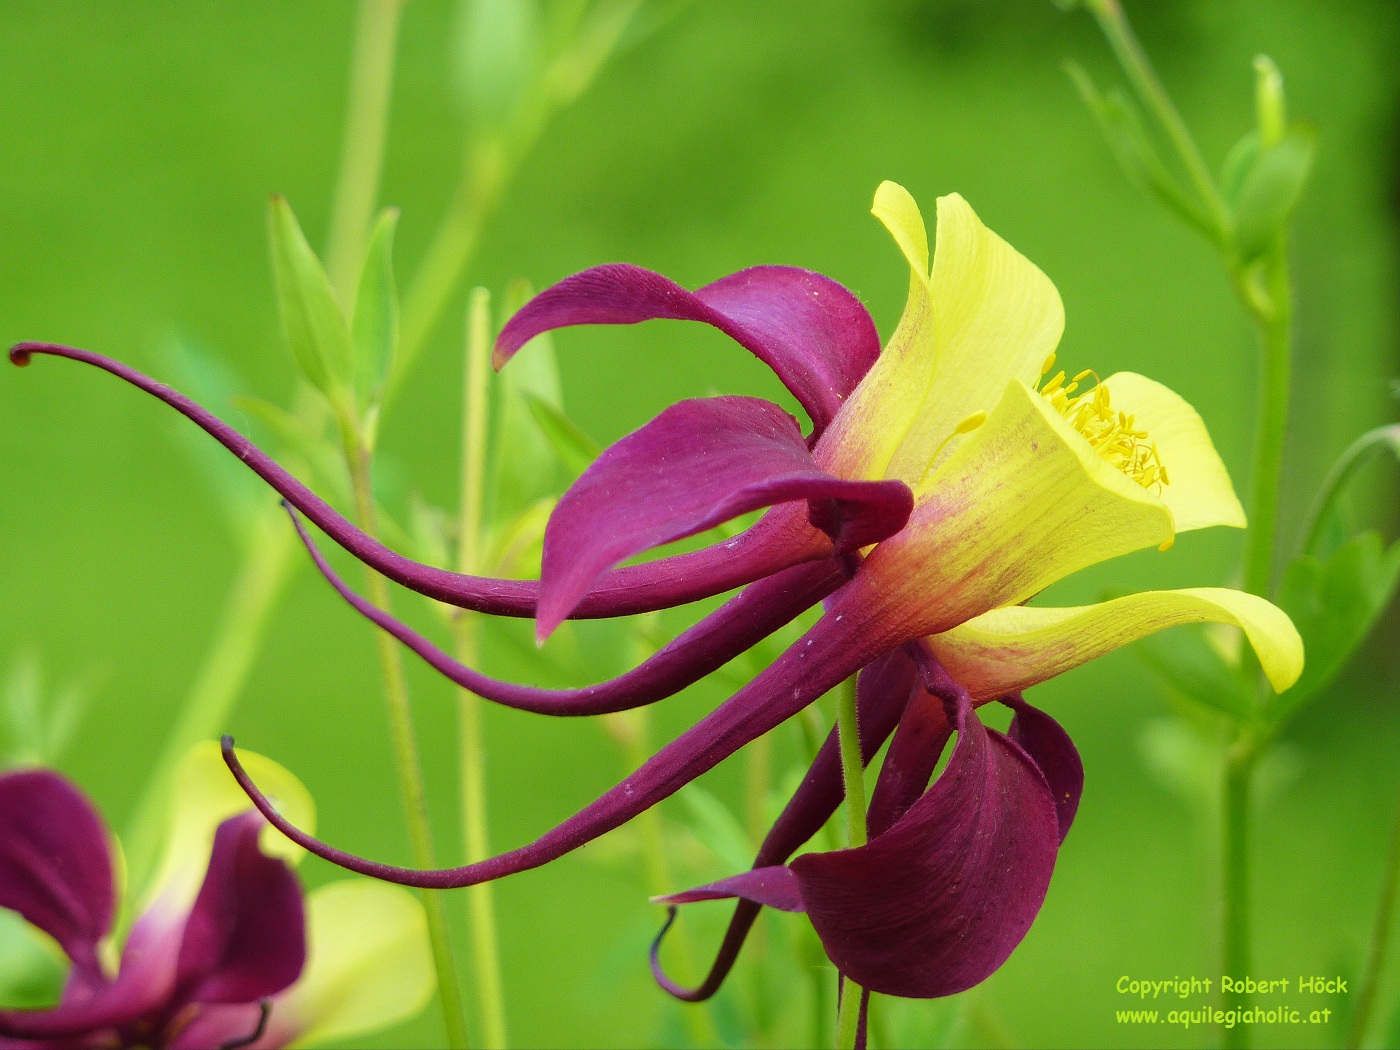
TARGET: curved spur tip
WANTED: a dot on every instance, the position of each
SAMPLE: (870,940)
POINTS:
(226,745)
(20,354)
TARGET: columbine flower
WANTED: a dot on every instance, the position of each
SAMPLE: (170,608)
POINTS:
(946,481)
(225,952)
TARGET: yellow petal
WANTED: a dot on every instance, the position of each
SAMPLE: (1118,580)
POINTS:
(863,438)
(204,795)
(896,208)
(1013,648)
(368,963)
(996,317)
(1023,502)
(984,316)
(1199,494)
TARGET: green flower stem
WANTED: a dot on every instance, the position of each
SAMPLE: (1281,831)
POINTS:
(1115,26)
(262,580)
(362,152)
(853,770)
(1380,940)
(1240,765)
(1270,305)
(475,828)
(410,771)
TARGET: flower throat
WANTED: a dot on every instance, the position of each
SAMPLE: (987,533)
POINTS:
(1111,433)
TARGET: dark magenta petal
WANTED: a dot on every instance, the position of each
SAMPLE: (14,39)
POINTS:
(55,863)
(775,887)
(881,694)
(742,622)
(1050,748)
(918,743)
(245,938)
(808,329)
(661,584)
(939,901)
(697,465)
(826,655)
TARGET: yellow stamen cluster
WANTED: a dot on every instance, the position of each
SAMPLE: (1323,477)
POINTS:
(1111,433)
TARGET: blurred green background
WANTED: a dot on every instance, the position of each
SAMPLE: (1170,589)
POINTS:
(140,144)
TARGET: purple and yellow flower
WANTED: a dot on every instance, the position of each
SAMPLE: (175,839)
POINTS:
(945,482)
(226,951)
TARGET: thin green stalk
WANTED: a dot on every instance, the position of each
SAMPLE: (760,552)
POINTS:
(1357,455)
(853,770)
(475,830)
(487,167)
(1115,26)
(1380,940)
(1273,315)
(406,761)
(1240,765)
(261,581)
(362,152)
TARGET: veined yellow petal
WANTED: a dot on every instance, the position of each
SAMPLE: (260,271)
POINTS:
(368,964)
(1199,493)
(865,434)
(204,795)
(1023,502)
(1013,648)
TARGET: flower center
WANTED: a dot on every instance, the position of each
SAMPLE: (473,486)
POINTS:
(1111,433)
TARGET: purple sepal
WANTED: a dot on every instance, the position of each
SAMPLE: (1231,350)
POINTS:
(919,740)
(660,584)
(245,938)
(935,904)
(774,887)
(55,864)
(823,657)
(743,621)
(1050,748)
(881,694)
(699,464)
(813,333)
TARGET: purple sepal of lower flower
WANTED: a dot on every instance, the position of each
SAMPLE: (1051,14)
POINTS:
(241,941)
(953,875)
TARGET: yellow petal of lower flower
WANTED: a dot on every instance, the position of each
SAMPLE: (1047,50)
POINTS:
(368,964)
(204,795)
(1024,501)
(1199,493)
(1010,649)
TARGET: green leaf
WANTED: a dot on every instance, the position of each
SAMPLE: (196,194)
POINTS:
(498,51)
(1238,163)
(1269,189)
(1186,661)
(575,449)
(1334,603)
(524,467)
(375,329)
(1330,521)
(1123,130)
(312,319)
